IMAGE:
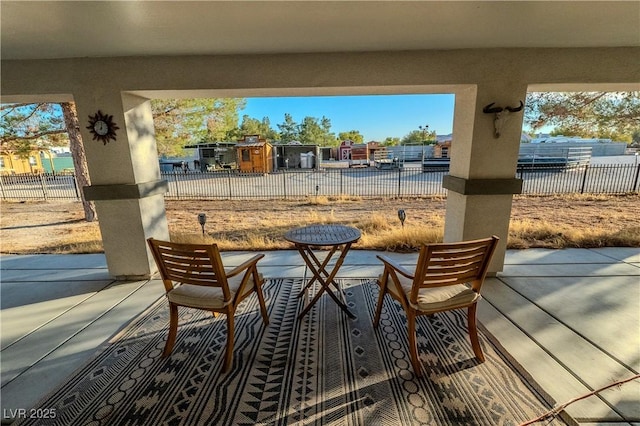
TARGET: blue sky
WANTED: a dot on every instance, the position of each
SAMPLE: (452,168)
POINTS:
(375,116)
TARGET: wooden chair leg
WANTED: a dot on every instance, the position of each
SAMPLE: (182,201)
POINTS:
(263,306)
(376,318)
(173,330)
(413,346)
(228,357)
(473,332)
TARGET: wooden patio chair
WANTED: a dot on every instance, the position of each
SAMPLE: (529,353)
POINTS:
(447,276)
(204,284)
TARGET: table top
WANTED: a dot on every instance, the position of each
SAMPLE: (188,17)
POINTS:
(323,235)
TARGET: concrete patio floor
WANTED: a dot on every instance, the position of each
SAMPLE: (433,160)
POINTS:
(570,319)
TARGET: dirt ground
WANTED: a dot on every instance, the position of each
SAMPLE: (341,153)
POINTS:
(46,227)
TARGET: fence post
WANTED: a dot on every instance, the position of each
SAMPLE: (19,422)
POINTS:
(75,186)
(341,189)
(4,197)
(399,180)
(520,175)
(43,184)
(635,183)
(584,178)
(175,180)
(229,182)
(284,183)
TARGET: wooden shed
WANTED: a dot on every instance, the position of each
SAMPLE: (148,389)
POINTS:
(255,155)
(355,153)
(442,150)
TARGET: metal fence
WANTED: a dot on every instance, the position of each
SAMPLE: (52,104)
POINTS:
(362,182)
(586,179)
(45,186)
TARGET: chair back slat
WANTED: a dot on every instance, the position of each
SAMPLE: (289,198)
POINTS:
(195,264)
(455,251)
(445,264)
(436,278)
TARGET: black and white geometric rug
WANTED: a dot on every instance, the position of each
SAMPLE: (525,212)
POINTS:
(325,369)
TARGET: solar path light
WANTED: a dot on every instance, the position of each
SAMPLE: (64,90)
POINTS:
(202,219)
(402,216)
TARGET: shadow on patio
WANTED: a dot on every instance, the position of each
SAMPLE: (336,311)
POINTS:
(566,320)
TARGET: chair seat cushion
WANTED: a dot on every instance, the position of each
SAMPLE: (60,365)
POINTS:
(436,299)
(206,297)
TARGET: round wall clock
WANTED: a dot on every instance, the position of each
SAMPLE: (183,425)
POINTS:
(102,127)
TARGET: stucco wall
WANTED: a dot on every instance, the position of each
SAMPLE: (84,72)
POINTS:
(310,74)
(477,77)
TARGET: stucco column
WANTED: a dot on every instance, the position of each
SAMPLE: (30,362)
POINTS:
(482,179)
(126,185)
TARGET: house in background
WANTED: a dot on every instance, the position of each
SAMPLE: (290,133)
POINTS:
(12,162)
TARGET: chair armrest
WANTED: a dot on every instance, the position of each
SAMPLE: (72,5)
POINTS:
(245,265)
(393,265)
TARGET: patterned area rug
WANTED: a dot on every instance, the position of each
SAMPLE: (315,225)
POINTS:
(323,370)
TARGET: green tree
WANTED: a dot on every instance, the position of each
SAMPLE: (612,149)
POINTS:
(352,135)
(288,129)
(253,126)
(180,122)
(635,139)
(391,141)
(414,137)
(328,138)
(614,115)
(310,131)
(225,119)
(268,132)
(316,132)
(26,127)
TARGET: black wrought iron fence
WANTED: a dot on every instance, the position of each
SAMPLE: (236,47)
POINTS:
(362,182)
(590,179)
(407,182)
(45,186)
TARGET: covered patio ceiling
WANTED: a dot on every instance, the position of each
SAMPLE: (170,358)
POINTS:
(66,29)
(115,56)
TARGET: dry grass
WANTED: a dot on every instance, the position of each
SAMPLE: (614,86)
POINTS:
(549,222)
(78,241)
(324,200)
(378,233)
(526,234)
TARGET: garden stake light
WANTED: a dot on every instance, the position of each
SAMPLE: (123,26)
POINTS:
(202,219)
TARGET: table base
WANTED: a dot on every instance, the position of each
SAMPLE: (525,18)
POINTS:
(324,278)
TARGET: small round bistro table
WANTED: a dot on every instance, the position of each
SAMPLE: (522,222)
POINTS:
(337,237)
